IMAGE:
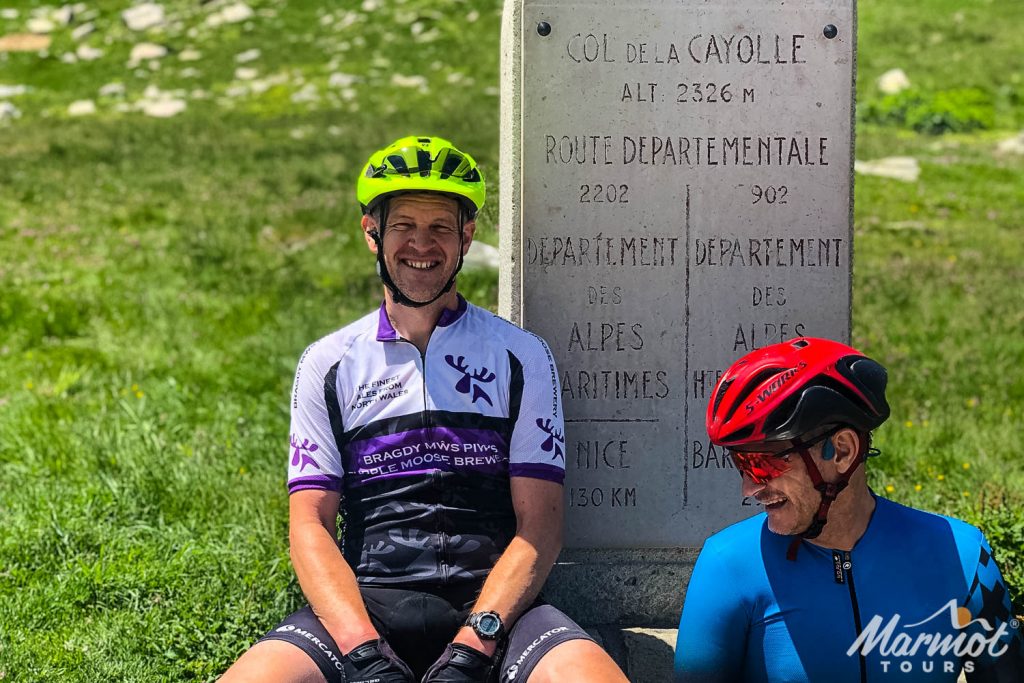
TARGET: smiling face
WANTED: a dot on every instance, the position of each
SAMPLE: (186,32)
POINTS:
(790,499)
(421,242)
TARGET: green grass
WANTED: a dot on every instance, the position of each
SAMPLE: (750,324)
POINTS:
(159,278)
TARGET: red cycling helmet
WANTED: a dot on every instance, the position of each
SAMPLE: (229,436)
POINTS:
(784,391)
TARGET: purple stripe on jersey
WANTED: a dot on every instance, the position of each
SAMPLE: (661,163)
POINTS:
(450,449)
(324,482)
(448,316)
(385,330)
(537,471)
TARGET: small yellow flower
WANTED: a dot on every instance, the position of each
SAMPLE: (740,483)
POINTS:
(967,494)
(890,488)
(908,424)
(29,386)
(952,258)
(139,394)
(242,470)
(941,477)
(972,402)
(967,465)
(925,423)
(918,487)
(135,387)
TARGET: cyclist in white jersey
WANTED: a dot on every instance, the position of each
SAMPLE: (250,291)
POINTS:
(435,429)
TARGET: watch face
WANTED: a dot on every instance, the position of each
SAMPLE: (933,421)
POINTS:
(489,624)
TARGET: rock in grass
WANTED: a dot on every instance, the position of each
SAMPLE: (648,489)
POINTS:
(893,81)
(897,168)
(82,31)
(12,90)
(8,111)
(87,54)
(482,256)
(190,55)
(40,25)
(232,14)
(112,90)
(82,108)
(144,51)
(8,13)
(24,42)
(247,56)
(1014,145)
(163,109)
(144,16)
(244,73)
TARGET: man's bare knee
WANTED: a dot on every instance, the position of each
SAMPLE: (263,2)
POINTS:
(577,660)
(273,661)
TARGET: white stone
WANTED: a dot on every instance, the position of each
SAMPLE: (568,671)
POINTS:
(472,16)
(482,256)
(334,131)
(144,51)
(231,14)
(1014,145)
(308,93)
(163,109)
(144,16)
(83,30)
(87,53)
(8,13)
(8,111)
(112,90)
(123,107)
(247,56)
(68,58)
(199,94)
(244,73)
(63,15)
(409,81)
(82,108)
(371,5)
(190,55)
(12,90)
(298,133)
(237,90)
(40,25)
(341,80)
(897,168)
(189,72)
(893,81)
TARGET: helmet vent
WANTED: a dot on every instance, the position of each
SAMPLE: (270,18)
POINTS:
(722,388)
(801,343)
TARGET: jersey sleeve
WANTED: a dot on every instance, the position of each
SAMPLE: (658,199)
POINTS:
(537,447)
(314,461)
(711,642)
(988,601)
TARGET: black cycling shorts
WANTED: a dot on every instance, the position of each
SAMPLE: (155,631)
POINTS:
(418,624)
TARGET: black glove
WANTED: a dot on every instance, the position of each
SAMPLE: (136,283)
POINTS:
(375,661)
(459,664)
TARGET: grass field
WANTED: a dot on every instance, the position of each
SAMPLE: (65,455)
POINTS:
(160,277)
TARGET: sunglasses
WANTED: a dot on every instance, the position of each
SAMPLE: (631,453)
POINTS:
(763,466)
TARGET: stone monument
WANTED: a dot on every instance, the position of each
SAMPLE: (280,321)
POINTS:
(675,191)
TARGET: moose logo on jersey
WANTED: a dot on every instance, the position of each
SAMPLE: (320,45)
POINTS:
(300,453)
(471,380)
(555,439)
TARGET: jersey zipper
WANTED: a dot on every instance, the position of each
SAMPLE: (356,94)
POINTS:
(442,546)
(845,562)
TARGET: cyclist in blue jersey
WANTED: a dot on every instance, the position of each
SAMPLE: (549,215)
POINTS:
(434,429)
(832,583)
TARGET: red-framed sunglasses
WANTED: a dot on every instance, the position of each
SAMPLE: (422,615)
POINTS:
(763,466)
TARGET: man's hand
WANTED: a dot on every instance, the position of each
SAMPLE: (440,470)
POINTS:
(460,664)
(375,661)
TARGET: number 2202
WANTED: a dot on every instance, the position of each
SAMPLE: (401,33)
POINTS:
(604,194)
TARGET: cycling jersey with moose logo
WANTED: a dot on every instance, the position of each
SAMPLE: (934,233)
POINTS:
(422,447)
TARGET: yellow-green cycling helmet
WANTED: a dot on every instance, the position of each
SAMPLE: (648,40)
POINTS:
(421,164)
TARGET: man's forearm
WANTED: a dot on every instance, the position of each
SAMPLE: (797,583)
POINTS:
(330,586)
(513,584)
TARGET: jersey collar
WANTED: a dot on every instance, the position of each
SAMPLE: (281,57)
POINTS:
(387,332)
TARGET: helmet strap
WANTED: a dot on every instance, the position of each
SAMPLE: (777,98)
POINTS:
(397,295)
(829,491)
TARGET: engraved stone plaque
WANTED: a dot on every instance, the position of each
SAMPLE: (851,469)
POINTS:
(676,191)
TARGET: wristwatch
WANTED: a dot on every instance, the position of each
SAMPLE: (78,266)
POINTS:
(488,625)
